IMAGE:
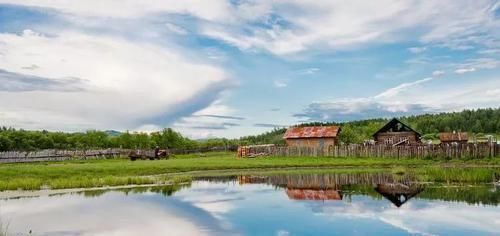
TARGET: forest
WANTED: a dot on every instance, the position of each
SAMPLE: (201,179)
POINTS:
(477,122)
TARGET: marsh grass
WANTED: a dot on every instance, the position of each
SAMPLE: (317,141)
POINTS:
(458,175)
(114,172)
(399,170)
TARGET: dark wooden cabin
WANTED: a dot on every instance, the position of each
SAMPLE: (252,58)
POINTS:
(453,138)
(396,133)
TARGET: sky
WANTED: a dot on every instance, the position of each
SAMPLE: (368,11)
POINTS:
(230,68)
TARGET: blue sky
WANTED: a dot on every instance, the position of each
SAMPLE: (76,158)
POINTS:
(232,68)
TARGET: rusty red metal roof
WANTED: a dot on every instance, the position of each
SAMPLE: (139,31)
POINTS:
(453,137)
(312,132)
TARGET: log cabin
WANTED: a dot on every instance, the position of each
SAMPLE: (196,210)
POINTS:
(396,133)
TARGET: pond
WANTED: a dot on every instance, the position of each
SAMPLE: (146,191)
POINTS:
(301,204)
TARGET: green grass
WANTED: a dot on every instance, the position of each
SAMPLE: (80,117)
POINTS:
(113,172)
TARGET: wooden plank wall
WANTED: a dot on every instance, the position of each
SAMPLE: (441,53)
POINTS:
(382,151)
(59,155)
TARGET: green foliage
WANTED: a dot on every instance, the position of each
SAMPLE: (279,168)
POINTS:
(429,125)
(480,122)
(272,137)
(22,140)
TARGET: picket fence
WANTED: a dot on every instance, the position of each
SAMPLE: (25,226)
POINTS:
(482,150)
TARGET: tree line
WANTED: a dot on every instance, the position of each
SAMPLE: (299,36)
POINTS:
(478,122)
(24,140)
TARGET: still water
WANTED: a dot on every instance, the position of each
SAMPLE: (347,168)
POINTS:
(316,204)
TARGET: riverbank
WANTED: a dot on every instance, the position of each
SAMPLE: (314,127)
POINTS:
(116,172)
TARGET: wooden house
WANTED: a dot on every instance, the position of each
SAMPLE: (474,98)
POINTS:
(396,133)
(316,136)
(453,137)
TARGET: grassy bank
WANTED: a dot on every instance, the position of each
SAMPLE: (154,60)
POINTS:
(113,172)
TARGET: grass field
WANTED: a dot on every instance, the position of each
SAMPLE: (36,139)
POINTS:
(113,172)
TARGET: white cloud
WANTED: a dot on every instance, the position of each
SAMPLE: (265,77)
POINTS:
(438,73)
(465,70)
(417,50)
(292,26)
(305,25)
(394,91)
(212,121)
(408,99)
(125,84)
(208,10)
(280,84)
(309,71)
(175,29)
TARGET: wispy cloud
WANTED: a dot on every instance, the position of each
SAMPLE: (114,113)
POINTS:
(267,125)
(405,99)
(417,50)
(465,70)
(222,117)
(16,82)
(113,77)
(280,84)
(309,71)
(438,73)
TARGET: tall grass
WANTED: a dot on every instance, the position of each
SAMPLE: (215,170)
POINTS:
(113,172)
(458,175)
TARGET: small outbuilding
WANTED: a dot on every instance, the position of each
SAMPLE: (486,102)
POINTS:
(396,133)
(453,137)
(313,136)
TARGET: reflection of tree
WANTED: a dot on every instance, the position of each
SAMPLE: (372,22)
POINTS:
(372,184)
(483,194)
(166,190)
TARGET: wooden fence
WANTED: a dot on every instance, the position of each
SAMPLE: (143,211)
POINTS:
(378,151)
(59,155)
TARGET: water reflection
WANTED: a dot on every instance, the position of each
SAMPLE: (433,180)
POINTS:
(304,204)
(396,189)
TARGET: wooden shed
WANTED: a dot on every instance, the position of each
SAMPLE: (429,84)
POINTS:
(314,136)
(453,137)
(396,133)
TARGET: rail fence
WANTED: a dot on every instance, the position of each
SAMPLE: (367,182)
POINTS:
(62,155)
(59,155)
(381,151)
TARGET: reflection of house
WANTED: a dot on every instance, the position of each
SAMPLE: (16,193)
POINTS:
(453,137)
(396,133)
(397,193)
(316,136)
(313,194)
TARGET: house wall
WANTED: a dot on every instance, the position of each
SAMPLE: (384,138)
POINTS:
(311,142)
(390,138)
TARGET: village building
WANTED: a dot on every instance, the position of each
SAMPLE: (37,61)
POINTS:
(396,133)
(315,136)
(453,137)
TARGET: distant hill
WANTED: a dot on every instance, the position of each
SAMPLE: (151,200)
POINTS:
(478,122)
